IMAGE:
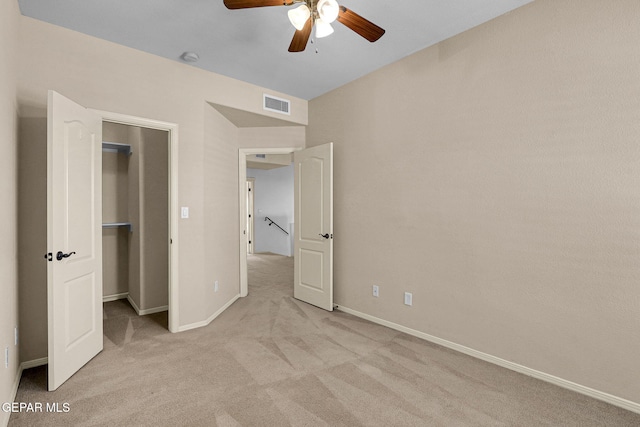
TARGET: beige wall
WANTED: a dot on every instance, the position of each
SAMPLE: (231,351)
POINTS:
(272,137)
(105,76)
(221,223)
(32,232)
(115,208)
(135,218)
(9,19)
(154,219)
(495,176)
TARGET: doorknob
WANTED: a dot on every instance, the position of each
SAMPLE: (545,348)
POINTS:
(325,235)
(61,255)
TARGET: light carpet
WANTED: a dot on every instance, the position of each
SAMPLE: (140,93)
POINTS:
(271,360)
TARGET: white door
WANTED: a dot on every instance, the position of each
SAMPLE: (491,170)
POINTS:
(74,237)
(313,244)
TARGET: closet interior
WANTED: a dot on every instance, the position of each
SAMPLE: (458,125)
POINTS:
(135,215)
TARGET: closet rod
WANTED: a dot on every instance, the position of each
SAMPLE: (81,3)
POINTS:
(116,146)
(118,224)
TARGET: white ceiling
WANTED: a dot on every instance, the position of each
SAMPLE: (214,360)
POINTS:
(251,44)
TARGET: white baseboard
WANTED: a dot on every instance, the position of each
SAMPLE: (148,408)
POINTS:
(153,310)
(34,363)
(133,304)
(115,297)
(5,416)
(148,310)
(210,319)
(596,394)
(4,421)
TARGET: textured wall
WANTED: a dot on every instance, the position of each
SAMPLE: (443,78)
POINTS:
(115,208)
(32,235)
(9,19)
(273,197)
(495,175)
(154,201)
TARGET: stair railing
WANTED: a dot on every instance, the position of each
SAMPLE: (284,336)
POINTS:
(266,218)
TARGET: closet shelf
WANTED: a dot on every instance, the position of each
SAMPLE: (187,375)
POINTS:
(118,224)
(116,147)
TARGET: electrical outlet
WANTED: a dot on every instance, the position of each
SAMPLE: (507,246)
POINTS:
(376,291)
(184,212)
(215,286)
(408,298)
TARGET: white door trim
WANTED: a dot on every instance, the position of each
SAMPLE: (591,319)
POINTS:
(172,129)
(250,221)
(242,186)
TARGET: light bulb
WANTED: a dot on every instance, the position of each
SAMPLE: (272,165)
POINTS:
(328,10)
(323,29)
(299,16)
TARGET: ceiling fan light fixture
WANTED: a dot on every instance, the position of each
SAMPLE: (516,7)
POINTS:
(328,10)
(299,16)
(323,29)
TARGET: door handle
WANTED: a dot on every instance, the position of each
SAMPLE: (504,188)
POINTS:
(325,235)
(61,255)
(48,256)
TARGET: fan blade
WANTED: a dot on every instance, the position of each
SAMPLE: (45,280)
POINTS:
(301,37)
(244,4)
(357,23)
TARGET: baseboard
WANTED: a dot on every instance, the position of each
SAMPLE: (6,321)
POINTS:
(34,363)
(133,304)
(153,310)
(596,394)
(144,312)
(210,319)
(16,383)
(5,416)
(115,297)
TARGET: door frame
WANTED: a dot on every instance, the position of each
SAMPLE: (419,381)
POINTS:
(172,130)
(250,211)
(242,188)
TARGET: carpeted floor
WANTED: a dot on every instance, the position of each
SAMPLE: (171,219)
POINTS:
(271,360)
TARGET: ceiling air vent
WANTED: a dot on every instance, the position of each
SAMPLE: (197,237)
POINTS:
(275,104)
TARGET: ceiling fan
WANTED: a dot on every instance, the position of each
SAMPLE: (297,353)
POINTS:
(320,13)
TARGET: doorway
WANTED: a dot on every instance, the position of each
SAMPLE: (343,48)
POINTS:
(245,153)
(313,220)
(170,130)
(135,224)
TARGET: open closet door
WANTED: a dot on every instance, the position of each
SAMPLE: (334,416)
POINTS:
(313,244)
(74,238)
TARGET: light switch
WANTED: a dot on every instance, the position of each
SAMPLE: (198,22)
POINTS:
(184,212)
